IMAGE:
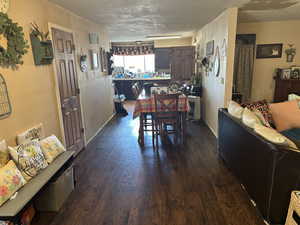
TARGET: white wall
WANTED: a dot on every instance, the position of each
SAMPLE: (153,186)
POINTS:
(217,91)
(286,32)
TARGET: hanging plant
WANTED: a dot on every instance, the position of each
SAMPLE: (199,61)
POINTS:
(16,44)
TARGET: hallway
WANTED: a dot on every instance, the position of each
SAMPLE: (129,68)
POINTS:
(118,183)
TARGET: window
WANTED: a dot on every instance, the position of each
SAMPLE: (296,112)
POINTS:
(136,63)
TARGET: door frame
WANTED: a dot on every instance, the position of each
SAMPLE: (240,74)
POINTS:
(56,83)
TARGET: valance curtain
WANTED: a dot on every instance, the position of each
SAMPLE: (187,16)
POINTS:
(132,48)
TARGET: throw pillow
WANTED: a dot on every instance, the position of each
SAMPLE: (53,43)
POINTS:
(4,154)
(293,97)
(235,109)
(52,148)
(11,180)
(261,106)
(29,158)
(286,115)
(250,119)
(262,118)
(273,136)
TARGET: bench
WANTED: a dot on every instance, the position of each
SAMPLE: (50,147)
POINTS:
(13,209)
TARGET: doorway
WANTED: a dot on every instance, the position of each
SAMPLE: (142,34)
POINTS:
(64,51)
(243,67)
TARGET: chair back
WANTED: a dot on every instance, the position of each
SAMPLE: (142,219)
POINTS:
(166,105)
(135,90)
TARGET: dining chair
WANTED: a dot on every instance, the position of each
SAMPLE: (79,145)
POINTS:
(166,114)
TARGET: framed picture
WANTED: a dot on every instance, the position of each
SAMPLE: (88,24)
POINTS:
(269,51)
(295,73)
(285,74)
(210,48)
(94,59)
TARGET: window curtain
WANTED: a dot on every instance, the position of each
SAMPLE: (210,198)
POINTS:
(243,71)
(132,48)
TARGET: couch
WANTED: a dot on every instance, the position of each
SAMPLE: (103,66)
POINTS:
(268,172)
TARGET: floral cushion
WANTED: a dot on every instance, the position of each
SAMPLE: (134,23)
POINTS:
(261,106)
(29,158)
(4,154)
(52,148)
(11,180)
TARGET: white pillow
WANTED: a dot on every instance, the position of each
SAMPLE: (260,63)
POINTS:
(235,109)
(250,119)
(273,136)
(293,97)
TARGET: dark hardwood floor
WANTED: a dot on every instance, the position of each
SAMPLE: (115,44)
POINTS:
(121,184)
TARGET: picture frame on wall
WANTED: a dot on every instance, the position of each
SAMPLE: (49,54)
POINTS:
(94,59)
(210,48)
(269,51)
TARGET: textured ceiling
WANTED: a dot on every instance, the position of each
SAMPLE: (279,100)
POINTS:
(129,20)
(135,19)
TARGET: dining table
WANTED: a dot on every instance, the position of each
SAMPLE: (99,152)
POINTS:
(145,104)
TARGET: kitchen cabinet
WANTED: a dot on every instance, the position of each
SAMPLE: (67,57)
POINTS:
(180,61)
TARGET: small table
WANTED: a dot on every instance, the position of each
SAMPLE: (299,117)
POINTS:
(145,104)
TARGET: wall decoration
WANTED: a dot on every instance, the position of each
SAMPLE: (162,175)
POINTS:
(41,46)
(11,56)
(216,65)
(94,59)
(132,48)
(94,38)
(290,53)
(5,106)
(210,48)
(295,73)
(285,74)
(4,6)
(224,49)
(269,51)
(83,63)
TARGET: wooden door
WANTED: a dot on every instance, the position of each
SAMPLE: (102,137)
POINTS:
(182,63)
(68,87)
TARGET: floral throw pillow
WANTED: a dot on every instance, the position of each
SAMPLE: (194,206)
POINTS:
(4,154)
(52,148)
(29,158)
(11,180)
(261,106)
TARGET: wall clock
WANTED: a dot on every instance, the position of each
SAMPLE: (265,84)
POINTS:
(4,6)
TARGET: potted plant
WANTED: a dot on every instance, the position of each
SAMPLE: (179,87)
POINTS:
(290,53)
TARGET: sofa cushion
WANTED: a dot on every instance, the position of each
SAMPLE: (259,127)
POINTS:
(250,119)
(293,134)
(235,109)
(286,115)
(274,136)
(261,106)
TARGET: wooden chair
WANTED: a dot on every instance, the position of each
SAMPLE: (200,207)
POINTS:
(147,117)
(166,114)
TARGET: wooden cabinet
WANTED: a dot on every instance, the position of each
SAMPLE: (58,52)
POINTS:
(285,87)
(163,59)
(177,60)
(182,63)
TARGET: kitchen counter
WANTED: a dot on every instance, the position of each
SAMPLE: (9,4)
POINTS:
(152,78)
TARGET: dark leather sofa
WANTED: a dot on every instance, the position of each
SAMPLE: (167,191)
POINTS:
(267,171)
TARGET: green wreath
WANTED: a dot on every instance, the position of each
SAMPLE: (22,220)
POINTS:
(16,44)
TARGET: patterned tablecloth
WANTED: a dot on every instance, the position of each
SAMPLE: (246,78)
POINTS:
(147,105)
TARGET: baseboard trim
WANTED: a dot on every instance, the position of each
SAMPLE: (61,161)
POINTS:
(101,128)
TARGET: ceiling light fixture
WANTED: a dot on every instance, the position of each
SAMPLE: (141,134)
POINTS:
(163,37)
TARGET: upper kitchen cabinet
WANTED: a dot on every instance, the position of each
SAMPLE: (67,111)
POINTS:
(163,60)
(182,62)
